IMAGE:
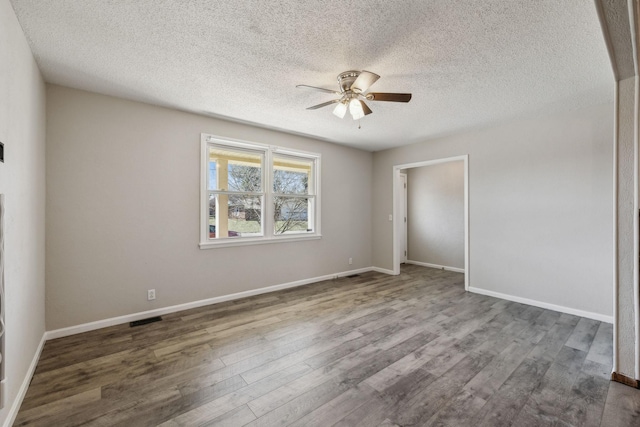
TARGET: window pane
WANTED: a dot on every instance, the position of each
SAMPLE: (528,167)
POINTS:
(231,170)
(291,176)
(245,215)
(213,181)
(212,216)
(242,217)
(292,214)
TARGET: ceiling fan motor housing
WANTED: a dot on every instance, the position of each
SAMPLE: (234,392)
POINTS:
(346,79)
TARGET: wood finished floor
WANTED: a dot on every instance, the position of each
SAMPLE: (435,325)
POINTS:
(373,350)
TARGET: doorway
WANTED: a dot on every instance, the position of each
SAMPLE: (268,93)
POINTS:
(400,209)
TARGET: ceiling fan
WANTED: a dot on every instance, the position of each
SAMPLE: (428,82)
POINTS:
(353,88)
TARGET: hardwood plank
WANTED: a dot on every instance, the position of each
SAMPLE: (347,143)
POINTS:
(583,334)
(217,407)
(373,350)
(530,417)
(154,414)
(236,417)
(269,368)
(492,376)
(168,372)
(411,362)
(622,407)
(371,413)
(601,350)
(300,405)
(508,401)
(44,413)
(548,400)
(586,401)
(350,370)
(456,412)
(549,347)
(546,320)
(597,370)
(362,345)
(423,405)
(336,409)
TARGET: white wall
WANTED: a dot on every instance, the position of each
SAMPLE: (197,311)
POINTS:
(22,130)
(123,211)
(540,206)
(435,217)
(626,231)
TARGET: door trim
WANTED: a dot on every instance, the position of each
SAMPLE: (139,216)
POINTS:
(405,232)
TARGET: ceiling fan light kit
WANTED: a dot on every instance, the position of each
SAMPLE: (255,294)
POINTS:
(353,87)
(340,110)
(355,108)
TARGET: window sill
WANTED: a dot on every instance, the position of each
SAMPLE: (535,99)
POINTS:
(257,241)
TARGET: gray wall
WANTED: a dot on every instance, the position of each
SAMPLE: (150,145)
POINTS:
(123,183)
(22,130)
(435,214)
(540,206)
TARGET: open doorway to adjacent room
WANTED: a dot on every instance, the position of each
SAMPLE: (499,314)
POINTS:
(431,214)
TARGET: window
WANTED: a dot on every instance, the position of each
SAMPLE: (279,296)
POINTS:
(253,193)
(293,203)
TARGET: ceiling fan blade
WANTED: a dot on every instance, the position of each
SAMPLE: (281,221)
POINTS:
(366,108)
(364,81)
(393,97)
(321,89)
(324,104)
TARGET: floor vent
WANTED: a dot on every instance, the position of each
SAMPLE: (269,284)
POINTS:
(145,321)
(353,275)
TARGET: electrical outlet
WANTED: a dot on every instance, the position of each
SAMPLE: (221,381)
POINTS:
(350,261)
(151,294)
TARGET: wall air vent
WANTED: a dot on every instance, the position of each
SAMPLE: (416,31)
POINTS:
(145,321)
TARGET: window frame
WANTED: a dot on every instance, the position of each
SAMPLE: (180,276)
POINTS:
(268,229)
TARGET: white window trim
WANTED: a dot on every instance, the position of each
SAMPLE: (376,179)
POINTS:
(267,177)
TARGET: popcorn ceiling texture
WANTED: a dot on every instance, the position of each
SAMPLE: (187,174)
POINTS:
(468,64)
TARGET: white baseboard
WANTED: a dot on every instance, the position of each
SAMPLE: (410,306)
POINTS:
(85,327)
(440,267)
(559,308)
(17,402)
(382,270)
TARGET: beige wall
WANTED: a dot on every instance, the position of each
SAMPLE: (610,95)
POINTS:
(22,130)
(540,206)
(123,182)
(435,214)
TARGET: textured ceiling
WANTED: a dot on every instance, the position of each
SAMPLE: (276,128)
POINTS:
(468,63)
